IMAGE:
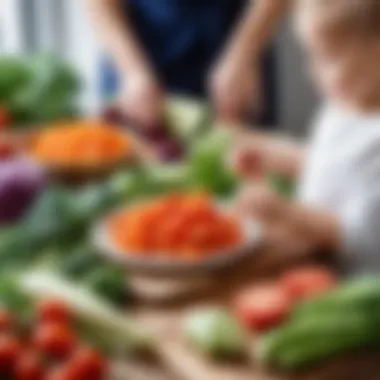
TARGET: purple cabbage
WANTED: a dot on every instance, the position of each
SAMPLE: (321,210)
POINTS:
(167,148)
(169,151)
(21,181)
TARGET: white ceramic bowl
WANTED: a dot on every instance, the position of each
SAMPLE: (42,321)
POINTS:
(169,267)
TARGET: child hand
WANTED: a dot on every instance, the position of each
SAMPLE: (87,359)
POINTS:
(260,202)
(142,98)
(247,159)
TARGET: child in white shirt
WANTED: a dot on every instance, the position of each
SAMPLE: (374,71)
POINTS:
(338,206)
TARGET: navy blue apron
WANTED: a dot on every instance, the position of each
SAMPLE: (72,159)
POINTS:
(183,39)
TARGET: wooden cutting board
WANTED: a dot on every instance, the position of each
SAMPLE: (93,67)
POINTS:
(165,322)
(183,362)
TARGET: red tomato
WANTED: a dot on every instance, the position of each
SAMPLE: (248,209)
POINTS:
(308,282)
(55,339)
(53,311)
(61,373)
(263,307)
(5,117)
(6,320)
(29,367)
(10,351)
(7,150)
(88,364)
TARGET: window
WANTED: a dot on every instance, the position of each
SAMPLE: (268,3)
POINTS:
(58,26)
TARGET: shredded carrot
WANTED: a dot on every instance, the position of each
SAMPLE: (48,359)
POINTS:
(81,143)
(181,226)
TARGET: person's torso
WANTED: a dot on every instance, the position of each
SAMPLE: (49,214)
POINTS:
(343,148)
(183,38)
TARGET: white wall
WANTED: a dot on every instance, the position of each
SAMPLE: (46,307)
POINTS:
(10,36)
(83,51)
(298,100)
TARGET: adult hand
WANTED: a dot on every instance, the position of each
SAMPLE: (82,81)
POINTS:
(142,98)
(235,88)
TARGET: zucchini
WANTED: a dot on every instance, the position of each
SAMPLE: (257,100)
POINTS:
(313,338)
(361,293)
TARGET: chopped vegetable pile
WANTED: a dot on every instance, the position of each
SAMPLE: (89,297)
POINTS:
(86,144)
(183,226)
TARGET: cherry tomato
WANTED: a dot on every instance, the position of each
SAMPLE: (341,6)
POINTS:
(7,150)
(10,351)
(263,307)
(55,339)
(88,364)
(29,367)
(61,373)
(6,320)
(5,117)
(53,311)
(308,282)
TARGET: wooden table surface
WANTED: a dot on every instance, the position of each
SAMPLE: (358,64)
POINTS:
(179,361)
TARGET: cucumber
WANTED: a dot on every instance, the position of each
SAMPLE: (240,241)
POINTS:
(361,293)
(298,357)
(314,337)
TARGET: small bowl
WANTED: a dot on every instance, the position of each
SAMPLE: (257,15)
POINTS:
(76,175)
(168,267)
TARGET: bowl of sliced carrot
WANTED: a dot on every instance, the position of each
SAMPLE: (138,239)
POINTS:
(176,235)
(82,149)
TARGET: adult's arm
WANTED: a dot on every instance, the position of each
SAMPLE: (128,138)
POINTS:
(257,27)
(117,35)
(235,82)
(142,95)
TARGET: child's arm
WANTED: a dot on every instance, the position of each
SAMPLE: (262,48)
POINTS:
(290,225)
(272,154)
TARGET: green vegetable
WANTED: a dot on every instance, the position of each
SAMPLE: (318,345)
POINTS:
(109,283)
(163,179)
(187,118)
(49,95)
(215,332)
(14,75)
(342,320)
(80,262)
(12,298)
(208,163)
(84,265)
(361,293)
(89,309)
(59,218)
(312,339)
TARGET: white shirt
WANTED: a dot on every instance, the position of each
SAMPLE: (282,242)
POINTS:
(342,175)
